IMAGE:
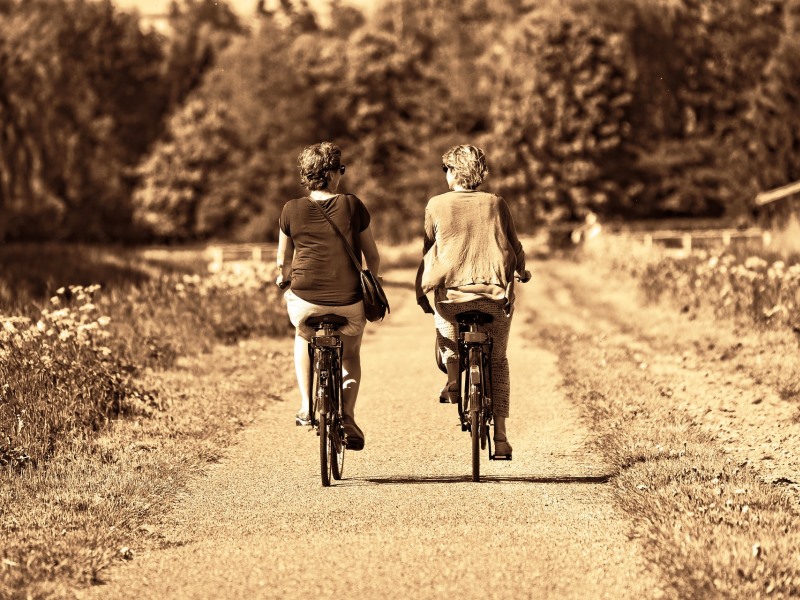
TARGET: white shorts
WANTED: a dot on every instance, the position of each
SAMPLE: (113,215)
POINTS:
(299,310)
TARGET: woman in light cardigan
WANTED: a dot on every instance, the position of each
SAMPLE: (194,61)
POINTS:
(470,254)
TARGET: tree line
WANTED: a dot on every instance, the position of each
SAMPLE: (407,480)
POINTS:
(628,108)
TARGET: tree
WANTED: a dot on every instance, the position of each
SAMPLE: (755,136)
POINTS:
(722,48)
(179,197)
(201,29)
(71,124)
(560,124)
(224,165)
(768,145)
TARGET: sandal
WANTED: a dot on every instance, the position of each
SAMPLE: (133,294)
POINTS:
(302,418)
(449,393)
(502,448)
(353,436)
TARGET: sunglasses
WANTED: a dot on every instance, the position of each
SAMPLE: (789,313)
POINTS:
(340,168)
(446,168)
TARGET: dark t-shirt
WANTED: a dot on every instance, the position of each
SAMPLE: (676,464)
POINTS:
(322,270)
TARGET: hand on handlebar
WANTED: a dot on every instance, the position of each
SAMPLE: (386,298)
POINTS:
(282,283)
(525,277)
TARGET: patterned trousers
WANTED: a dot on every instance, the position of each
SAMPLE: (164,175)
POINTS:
(447,336)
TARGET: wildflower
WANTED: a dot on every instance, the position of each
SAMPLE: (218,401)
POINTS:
(104,320)
(755,262)
(64,335)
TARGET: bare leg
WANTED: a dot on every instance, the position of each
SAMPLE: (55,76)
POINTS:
(302,366)
(351,372)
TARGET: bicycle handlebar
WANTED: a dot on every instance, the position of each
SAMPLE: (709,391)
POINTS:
(284,284)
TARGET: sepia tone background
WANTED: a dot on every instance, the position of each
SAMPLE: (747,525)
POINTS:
(650,153)
(176,121)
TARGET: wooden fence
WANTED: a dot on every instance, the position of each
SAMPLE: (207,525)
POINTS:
(221,253)
(686,241)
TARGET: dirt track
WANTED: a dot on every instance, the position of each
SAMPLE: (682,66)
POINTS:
(406,520)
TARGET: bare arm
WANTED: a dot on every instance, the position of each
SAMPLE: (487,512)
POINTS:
(285,256)
(370,250)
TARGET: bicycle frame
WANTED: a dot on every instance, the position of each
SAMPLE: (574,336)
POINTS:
(325,353)
(474,355)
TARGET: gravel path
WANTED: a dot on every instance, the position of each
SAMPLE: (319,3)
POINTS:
(406,519)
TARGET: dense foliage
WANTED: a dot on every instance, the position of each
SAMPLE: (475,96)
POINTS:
(630,108)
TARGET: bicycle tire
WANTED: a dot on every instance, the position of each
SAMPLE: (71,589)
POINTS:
(336,446)
(324,463)
(476,424)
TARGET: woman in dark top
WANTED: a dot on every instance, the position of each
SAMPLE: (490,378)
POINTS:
(323,277)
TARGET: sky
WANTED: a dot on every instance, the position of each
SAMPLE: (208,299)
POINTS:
(243,7)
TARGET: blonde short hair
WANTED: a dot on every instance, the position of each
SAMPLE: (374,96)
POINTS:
(467,164)
(315,162)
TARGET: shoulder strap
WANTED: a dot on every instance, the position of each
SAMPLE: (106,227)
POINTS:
(347,246)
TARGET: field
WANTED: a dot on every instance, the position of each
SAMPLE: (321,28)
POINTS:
(124,376)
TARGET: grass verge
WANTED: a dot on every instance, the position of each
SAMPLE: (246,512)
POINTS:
(711,524)
(108,404)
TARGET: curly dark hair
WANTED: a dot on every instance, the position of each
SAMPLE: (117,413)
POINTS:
(315,162)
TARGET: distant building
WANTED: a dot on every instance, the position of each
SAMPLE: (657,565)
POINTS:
(775,208)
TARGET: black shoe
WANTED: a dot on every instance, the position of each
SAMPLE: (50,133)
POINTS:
(353,436)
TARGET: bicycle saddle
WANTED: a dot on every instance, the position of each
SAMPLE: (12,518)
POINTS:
(337,320)
(474,316)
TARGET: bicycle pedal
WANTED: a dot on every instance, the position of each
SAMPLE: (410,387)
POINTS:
(500,456)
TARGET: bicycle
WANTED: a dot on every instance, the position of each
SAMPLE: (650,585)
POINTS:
(325,387)
(475,408)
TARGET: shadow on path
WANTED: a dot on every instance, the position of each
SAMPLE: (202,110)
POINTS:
(412,480)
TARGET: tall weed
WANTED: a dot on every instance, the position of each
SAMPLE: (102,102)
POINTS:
(71,363)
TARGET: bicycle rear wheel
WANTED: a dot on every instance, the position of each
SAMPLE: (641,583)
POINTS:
(324,442)
(476,425)
(475,409)
(336,456)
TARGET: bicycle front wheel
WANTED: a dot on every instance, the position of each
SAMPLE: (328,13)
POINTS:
(324,437)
